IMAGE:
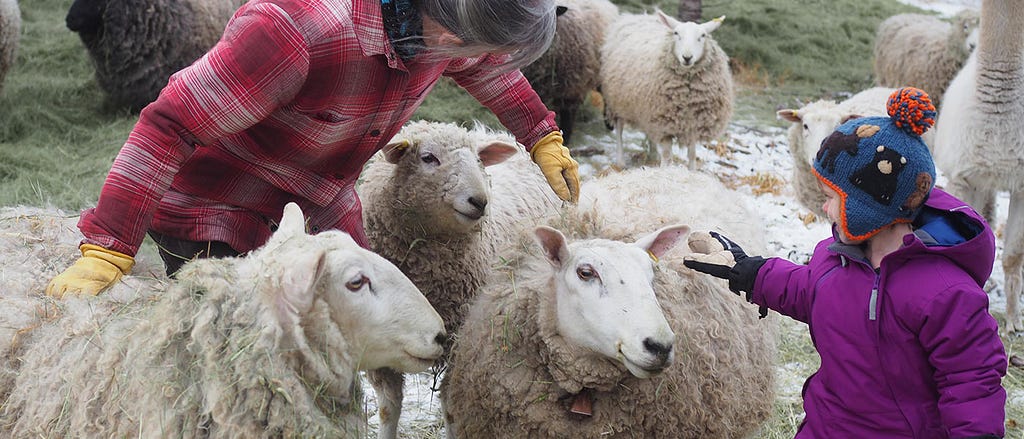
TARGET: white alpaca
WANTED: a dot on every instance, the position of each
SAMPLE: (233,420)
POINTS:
(979,139)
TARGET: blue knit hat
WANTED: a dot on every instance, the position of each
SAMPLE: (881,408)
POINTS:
(880,167)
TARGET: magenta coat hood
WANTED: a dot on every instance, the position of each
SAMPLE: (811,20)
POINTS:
(909,351)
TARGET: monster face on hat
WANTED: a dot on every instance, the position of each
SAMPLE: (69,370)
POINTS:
(880,167)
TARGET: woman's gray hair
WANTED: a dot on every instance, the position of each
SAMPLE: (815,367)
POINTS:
(522,28)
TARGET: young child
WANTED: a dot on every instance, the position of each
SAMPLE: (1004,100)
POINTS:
(894,300)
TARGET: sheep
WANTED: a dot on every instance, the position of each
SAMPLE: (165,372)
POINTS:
(923,50)
(430,208)
(979,138)
(10,35)
(563,340)
(266,345)
(812,123)
(136,45)
(567,72)
(669,79)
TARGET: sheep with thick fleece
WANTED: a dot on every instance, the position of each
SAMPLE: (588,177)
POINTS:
(923,51)
(10,36)
(136,45)
(563,341)
(266,345)
(567,72)
(979,138)
(815,121)
(438,202)
(670,80)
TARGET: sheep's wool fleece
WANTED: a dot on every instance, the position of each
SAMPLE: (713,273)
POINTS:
(658,96)
(513,376)
(201,357)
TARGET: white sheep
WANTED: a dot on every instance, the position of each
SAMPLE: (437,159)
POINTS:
(568,71)
(564,340)
(262,346)
(979,138)
(136,45)
(815,121)
(10,36)
(431,208)
(668,79)
(923,51)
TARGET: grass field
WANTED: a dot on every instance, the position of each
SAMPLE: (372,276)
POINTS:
(57,138)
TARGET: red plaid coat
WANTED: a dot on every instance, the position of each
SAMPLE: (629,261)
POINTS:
(288,106)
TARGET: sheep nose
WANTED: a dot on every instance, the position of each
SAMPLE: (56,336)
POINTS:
(686,60)
(662,351)
(440,338)
(478,202)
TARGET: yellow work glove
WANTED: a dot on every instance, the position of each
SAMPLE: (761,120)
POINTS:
(97,269)
(557,166)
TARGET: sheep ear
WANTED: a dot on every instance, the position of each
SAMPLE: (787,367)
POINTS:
(789,114)
(395,150)
(663,240)
(710,26)
(292,222)
(665,19)
(299,281)
(553,243)
(496,152)
(850,117)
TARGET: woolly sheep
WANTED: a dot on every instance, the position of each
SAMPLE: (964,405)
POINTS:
(430,207)
(923,51)
(812,123)
(668,79)
(262,346)
(136,45)
(566,328)
(10,35)
(979,138)
(567,72)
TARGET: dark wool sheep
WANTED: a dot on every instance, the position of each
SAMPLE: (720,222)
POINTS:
(136,45)
(10,33)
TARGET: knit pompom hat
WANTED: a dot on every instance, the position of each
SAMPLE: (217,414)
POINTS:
(880,167)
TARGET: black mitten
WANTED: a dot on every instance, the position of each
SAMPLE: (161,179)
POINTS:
(718,256)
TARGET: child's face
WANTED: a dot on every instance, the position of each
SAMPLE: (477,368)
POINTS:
(832,208)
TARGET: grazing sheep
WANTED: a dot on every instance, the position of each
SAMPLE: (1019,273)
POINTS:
(10,35)
(262,346)
(923,51)
(979,138)
(668,79)
(595,339)
(567,72)
(136,45)
(430,207)
(815,121)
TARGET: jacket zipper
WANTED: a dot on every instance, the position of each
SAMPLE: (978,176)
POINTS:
(873,302)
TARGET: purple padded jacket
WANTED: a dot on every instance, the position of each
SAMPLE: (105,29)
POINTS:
(909,351)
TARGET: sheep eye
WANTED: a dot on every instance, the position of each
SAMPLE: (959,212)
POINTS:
(806,127)
(586,272)
(357,283)
(429,159)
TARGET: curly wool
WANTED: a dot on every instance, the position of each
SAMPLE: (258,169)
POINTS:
(644,85)
(513,376)
(922,51)
(10,36)
(568,71)
(203,357)
(136,45)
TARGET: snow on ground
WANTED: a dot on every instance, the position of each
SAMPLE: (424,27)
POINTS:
(749,152)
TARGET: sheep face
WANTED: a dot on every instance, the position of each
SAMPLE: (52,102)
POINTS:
(381,315)
(813,123)
(442,178)
(689,39)
(604,297)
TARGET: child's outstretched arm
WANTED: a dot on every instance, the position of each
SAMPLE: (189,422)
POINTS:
(773,283)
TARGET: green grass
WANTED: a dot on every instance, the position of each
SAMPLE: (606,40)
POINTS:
(57,139)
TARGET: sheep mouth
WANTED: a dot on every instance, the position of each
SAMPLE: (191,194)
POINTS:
(641,371)
(415,363)
(471,216)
